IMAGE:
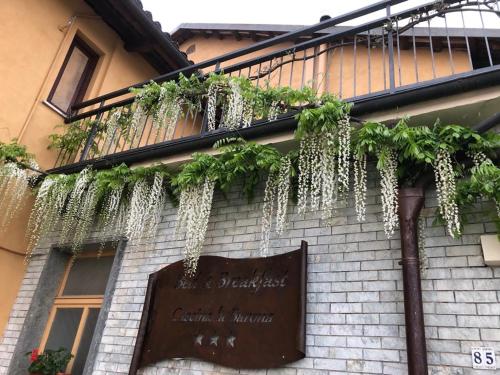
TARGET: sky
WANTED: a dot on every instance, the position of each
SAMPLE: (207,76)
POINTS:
(295,12)
(292,12)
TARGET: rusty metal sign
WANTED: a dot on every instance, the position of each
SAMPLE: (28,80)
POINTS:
(240,313)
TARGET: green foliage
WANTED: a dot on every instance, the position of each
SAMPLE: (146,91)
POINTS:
(14,152)
(416,146)
(323,119)
(483,183)
(75,135)
(285,98)
(238,160)
(124,177)
(188,90)
(50,362)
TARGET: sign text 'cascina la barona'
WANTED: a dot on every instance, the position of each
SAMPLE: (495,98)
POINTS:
(241,313)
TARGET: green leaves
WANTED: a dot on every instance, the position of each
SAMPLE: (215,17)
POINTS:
(416,146)
(50,362)
(238,160)
(75,135)
(323,119)
(14,152)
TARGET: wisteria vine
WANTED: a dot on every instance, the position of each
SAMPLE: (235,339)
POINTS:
(129,201)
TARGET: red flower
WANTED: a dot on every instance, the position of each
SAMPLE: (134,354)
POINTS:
(34,355)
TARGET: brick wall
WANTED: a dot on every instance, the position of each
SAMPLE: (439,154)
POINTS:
(355,316)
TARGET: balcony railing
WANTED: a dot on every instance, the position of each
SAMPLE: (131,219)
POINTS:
(426,45)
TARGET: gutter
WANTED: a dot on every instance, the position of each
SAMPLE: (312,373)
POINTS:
(194,143)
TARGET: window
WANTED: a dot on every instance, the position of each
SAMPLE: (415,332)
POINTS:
(73,317)
(74,77)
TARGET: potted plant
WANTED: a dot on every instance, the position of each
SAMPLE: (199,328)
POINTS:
(50,362)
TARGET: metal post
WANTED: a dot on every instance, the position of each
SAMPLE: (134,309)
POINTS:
(92,135)
(411,201)
(390,45)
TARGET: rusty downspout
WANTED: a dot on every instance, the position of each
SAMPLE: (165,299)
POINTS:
(411,201)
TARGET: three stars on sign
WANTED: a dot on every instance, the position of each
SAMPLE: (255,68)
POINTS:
(214,340)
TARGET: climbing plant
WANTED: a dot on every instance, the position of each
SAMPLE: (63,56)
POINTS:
(74,136)
(237,161)
(331,153)
(165,102)
(325,140)
(16,172)
(404,154)
(120,200)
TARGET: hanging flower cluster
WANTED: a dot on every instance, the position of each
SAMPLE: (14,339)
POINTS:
(120,201)
(195,204)
(360,176)
(146,202)
(48,207)
(389,190)
(237,161)
(276,194)
(422,254)
(17,168)
(112,127)
(234,97)
(324,156)
(446,191)
(14,188)
(212,105)
(166,103)
(236,104)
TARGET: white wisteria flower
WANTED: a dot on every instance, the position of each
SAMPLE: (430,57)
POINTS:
(192,219)
(276,193)
(212,105)
(447,191)
(360,174)
(389,191)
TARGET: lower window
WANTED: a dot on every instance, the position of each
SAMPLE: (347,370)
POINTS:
(73,317)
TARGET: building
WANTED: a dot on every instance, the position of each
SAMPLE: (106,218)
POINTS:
(58,43)
(419,62)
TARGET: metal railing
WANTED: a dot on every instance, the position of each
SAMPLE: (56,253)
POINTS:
(432,43)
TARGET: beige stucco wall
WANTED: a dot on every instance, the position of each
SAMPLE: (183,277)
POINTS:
(367,70)
(36,36)
(12,272)
(30,62)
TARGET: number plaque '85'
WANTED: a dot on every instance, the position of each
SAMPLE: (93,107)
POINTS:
(483,358)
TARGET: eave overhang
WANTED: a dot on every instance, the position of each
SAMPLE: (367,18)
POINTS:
(140,33)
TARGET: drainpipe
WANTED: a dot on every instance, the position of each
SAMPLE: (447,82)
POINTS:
(411,201)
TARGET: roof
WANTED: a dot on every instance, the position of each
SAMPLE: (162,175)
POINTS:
(258,32)
(141,33)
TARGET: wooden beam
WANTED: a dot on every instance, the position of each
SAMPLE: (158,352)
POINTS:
(218,34)
(141,45)
(237,35)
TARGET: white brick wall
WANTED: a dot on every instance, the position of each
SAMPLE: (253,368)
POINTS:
(20,308)
(355,319)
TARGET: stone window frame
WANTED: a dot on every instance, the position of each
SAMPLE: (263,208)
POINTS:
(43,298)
